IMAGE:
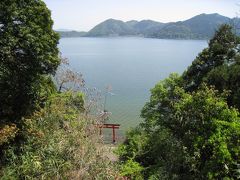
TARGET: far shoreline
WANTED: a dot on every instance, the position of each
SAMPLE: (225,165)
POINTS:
(140,37)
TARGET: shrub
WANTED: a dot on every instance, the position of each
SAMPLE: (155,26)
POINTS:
(60,143)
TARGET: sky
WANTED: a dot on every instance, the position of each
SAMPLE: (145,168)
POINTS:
(82,15)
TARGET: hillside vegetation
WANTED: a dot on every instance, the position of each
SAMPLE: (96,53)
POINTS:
(59,142)
(191,127)
(44,133)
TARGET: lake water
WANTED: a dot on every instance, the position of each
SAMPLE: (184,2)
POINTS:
(132,66)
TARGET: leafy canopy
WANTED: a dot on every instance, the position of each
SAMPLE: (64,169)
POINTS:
(218,65)
(28,52)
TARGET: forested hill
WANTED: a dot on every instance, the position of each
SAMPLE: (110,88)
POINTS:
(71,33)
(201,26)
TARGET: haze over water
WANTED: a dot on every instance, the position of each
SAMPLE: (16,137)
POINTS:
(132,66)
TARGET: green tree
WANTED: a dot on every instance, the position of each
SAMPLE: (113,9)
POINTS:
(218,65)
(190,129)
(28,54)
(186,135)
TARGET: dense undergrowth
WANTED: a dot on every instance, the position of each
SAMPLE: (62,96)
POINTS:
(60,143)
(44,134)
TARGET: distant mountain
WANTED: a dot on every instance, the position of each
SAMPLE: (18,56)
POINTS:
(132,23)
(112,27)
(64,34)
(201,26)
(144,27)
(204,25)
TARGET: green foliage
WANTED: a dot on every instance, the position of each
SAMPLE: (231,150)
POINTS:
(28,53)
(61,143)
(129,151)
(187,135)
(132,169)
(135,142)
(191,128)
(218,65)
(43,135)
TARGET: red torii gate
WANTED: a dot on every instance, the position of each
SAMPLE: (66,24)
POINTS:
(110,126)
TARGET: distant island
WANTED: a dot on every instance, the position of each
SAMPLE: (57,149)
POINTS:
(201,26)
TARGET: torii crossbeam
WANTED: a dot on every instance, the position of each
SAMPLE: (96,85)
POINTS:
(110,126)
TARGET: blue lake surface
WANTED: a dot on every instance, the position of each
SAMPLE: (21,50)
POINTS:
(132,66)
